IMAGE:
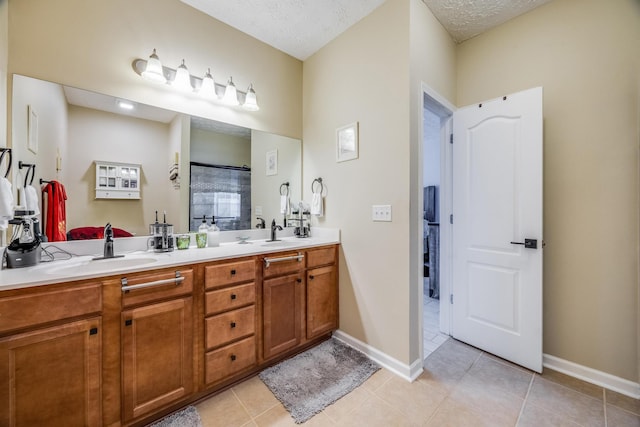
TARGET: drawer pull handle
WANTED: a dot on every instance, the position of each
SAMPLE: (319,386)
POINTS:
(126,288)
(233,357)
(269,261)
(233,325)
(233,296)
(233,272)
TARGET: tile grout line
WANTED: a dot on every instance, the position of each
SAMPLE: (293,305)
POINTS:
(524,402)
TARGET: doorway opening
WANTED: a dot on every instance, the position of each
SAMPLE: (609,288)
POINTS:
(436,192)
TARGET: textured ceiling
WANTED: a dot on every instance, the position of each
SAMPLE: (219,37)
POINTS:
(302,27)
(297,27)
(465,19)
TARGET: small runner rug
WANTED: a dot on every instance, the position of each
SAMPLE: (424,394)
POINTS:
(313,380)
(187,417)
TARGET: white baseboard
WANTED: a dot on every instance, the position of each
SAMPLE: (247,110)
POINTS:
(602,379)
(408,372)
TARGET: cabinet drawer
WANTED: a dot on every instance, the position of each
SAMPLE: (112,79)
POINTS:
(219,275)
(155,286)
(282,263)
(230,298)
(322,256)
(231,359)
(230,326)
(48,305)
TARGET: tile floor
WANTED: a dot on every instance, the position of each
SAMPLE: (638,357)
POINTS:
(432,337)
(461,386)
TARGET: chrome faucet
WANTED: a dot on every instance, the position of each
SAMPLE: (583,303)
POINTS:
(108,241)
(274,227)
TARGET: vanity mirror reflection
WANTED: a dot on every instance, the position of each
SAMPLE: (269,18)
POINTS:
(77,128)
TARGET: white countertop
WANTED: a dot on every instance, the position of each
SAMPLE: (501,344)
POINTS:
(84,267)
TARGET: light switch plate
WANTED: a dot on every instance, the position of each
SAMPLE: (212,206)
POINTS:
(381,213)
(258,210)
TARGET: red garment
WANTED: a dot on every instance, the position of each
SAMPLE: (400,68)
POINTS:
(56,225)
(83,233)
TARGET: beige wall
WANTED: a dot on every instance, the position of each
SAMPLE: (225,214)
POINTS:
(91,45)
(4,57)
(97,135)
(265,190)
(366,75)
(219,149)
(586,55)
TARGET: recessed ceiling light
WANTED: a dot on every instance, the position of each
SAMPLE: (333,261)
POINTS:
(125,105)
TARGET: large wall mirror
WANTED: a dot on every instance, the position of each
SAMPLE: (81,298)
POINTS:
(64,131)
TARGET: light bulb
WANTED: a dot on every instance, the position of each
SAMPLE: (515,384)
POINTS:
(250,100)
(230,93)
(153,71)
(208,87)
(182,81)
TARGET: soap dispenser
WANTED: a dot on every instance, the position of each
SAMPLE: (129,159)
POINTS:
(213,234)
(201,235)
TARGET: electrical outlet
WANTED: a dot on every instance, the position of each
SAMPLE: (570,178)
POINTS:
(258,210)
(381,213)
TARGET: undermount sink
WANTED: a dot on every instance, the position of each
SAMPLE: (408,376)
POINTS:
(278,243)
(89,265)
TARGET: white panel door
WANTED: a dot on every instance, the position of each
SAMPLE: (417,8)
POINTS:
(497,204)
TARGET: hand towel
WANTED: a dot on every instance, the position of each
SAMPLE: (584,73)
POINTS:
(31,199)
(316,204)
(285,206)
(6,203)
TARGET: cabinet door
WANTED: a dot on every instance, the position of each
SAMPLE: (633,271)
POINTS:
(322,301)
(157,364)
(52,376)
(282,306)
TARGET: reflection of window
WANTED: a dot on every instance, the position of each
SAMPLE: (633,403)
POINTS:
(222,191)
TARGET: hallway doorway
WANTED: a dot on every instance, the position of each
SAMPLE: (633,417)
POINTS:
(436,185)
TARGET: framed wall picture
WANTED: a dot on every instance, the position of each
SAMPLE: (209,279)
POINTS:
(347,142)
(32,130)
(272,162)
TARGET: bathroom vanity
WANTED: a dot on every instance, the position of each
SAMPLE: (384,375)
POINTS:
(81,346)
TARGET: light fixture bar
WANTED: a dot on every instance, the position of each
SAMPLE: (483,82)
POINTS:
(139,66)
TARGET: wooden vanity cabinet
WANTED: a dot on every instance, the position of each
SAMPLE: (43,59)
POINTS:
(299,298)
(50,356)
(157,341)
(230,319)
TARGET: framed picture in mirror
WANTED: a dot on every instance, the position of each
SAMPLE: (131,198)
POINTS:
(272,162)
(347,142)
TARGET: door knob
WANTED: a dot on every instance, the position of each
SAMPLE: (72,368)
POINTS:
(528,243)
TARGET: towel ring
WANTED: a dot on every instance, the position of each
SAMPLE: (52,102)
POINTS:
(6,151)
(313,185)
(286,189)
(31,168)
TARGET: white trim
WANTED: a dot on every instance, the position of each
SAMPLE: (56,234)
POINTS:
(590,375)
(409,373)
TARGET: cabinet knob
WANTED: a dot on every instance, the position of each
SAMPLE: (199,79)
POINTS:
(233,325)
(233,272)
(299,280)
(93,331)
(311,276)
(128,322)
(233,357)
(233,296)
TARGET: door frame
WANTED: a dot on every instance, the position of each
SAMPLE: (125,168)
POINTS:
(433,101)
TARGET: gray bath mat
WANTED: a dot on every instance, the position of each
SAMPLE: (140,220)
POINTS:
(313,380)
(187,417)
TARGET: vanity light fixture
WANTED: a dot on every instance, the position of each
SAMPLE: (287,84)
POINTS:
(206,86)
(250,100)
(153,69)
(182,80)
(230,93)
